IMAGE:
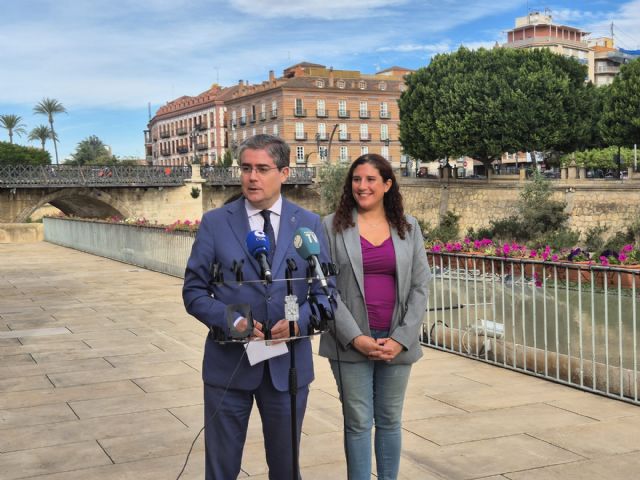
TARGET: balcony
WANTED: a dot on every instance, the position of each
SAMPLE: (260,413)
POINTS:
(386,140)
(344,114)
(322,113)
(344,137)
(243,120)
(607,69)
(234,123)
(274,113)
(365,114)
(252,120)
(182,131)
(385,115)
(263,116)
(165,134)
(299,112)
(165,153)
(322,137)
(365,137)
(301,136)
(201,126)
(182,149)
(202,146)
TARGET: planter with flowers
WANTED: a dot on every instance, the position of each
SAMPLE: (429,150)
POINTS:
(628,258)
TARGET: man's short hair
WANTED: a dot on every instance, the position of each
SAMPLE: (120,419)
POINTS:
(275,147)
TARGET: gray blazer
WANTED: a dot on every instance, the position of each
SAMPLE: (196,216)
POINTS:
(412,277)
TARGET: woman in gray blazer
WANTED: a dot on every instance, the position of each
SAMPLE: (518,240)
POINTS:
(382,282)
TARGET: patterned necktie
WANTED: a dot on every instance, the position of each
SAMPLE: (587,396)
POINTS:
(268,231)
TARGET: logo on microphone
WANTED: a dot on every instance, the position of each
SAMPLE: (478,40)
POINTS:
(297,241)
(260,234)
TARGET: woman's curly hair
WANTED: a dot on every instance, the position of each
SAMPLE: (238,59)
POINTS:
(392,200)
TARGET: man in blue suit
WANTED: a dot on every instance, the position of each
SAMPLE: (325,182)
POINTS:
(230,382)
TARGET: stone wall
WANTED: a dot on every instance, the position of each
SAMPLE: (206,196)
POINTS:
(21,232)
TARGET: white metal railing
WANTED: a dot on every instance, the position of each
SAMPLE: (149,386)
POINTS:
(574,324)
(146,247)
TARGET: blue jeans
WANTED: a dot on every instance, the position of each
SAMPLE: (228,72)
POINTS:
(373,394)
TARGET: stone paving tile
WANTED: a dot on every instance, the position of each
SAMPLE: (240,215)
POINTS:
(12,417)
(137,371)
(494,423)
(55,367)
(155,357)
(40,348)
(596,406)
(49,394)
(16,360)
(18,384)
(489,457)
(25,438)
(39,461)
(170,382)
(616,467)
(192,416)
(104,407)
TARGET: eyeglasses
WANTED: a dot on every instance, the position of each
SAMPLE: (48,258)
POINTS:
(261,170)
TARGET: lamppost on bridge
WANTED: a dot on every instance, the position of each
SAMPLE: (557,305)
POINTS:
(193,135)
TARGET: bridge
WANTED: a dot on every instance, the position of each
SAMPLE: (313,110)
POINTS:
(161,193)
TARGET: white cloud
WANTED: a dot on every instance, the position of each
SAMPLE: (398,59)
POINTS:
(323,9)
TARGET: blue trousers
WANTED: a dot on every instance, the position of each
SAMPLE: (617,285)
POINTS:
(226,434)
(373,394)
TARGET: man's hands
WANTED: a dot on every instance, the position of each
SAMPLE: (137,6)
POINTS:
(278,331)
(381,349)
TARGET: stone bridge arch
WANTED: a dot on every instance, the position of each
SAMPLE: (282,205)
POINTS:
(79,202)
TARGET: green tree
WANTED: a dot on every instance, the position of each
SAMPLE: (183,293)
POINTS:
(486,102)
(41,133)
(620,120)
(227,158)
(11,154)
(332,178)
(91,151)
(12,124)
(50,107)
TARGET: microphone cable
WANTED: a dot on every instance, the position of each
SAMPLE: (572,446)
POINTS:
(215,413)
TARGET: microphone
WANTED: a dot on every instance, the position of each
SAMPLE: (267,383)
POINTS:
(258,246)
(307,245)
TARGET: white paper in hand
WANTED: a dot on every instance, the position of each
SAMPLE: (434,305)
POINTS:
(259,351)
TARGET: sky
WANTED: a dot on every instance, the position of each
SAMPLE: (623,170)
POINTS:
(110,62)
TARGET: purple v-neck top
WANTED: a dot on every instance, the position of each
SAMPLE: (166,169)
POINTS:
(379,265)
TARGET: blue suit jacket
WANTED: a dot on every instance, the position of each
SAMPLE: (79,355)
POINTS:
(222,238)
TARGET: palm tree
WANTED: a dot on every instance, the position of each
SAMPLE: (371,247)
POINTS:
(49,107)
(41,133)
(12,123)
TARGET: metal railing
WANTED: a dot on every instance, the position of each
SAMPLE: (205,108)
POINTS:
(575,324)
(231,175)
(146,247)
(34,176)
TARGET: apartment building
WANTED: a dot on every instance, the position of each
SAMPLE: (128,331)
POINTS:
(188,128)
(607,60)
(322,113)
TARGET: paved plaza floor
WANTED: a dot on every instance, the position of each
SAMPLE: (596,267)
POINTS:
(100,379)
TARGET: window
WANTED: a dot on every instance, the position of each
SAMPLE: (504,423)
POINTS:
(275,129)
(322,131)
(382,86)
(364,131)
(264,129)
(299,154)
(299,110)
(364,110)
(243,116)
(342,108)
(384,132)
(253,131)
(323,152)
(244,135)
(384,151)
(343,131)
(344,154)
(340,84)
(320,109)
(263,108)
(384,110)
(233,117)
(320,83)
(234,136)
(274,109)
(364,150)
(300,131)
(362,84)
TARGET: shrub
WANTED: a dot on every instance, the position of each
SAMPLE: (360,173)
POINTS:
(447,230)
(332,179)
(11,154)
(594,240)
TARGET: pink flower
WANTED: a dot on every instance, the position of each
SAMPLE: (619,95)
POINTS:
(477,244)
(533,253)
(506,249)
(554,257)
(622,257)
(604,261)
(187,222)
(545,255)
(457,246)
(627,248)
(467,240)
(448,247)
(437,248)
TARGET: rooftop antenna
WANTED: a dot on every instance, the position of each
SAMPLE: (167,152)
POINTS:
(149,109)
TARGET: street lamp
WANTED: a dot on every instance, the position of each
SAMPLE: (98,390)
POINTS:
(193,135)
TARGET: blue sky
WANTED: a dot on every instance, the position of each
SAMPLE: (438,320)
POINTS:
(106,60)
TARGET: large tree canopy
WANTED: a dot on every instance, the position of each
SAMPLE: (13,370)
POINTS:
(486,102)
(93,151)
(11,154)
(620,121)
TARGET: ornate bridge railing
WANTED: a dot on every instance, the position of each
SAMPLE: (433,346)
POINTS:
(32,176)
(231,175)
